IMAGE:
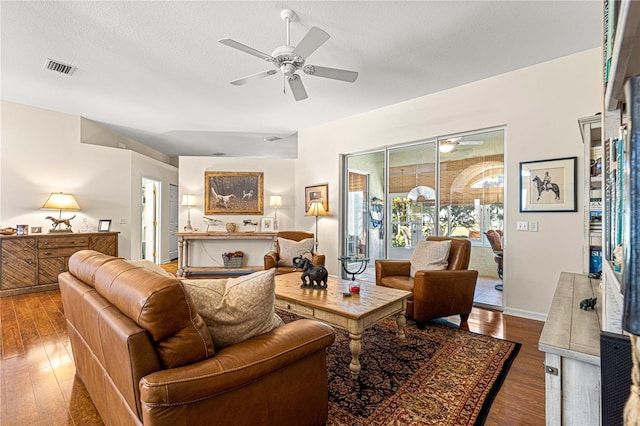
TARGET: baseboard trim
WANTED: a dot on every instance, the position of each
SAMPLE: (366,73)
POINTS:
(525,314)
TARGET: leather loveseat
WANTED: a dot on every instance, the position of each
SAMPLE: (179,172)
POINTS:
(146,357)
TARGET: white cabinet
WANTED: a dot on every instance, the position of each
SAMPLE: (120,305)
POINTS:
(570,340)
(591,130)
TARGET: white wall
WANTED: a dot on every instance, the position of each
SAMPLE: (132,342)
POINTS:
(279,179)
(539,106)
(40,153)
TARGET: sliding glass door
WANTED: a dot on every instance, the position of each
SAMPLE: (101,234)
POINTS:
(448,186)
(363,233)
(412,197)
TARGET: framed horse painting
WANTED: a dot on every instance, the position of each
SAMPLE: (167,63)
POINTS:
(548,185)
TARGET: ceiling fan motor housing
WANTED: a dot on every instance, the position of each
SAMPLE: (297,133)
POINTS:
(285,59)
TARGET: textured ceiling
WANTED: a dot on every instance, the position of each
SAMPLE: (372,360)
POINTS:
(154,71)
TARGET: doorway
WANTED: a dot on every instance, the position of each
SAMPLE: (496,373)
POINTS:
(447,186)
(173,222)
(150,220)
(363,233)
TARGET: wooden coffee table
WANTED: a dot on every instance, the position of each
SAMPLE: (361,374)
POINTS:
(353,314)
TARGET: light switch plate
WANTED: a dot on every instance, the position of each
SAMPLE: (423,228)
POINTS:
(522,226)
(533,226)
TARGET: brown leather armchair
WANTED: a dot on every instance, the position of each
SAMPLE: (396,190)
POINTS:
(272,257)
(436,294)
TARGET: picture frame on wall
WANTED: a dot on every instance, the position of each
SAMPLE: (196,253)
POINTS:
(549,185)
(233,193)
(104,225)
(316,193)
(266,224)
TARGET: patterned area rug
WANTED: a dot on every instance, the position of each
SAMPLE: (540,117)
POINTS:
(437,376)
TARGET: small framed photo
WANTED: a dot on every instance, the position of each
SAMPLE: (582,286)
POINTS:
(316,193)
(104,225)
(266,224)
(548,185)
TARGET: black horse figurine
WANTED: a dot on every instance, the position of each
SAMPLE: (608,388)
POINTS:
(541,187)
(313,276)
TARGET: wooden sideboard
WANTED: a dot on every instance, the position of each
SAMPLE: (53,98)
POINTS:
(33,262)
(570,340)
(185,240)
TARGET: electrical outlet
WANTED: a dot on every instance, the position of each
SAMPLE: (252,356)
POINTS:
(533,226)
(522,226)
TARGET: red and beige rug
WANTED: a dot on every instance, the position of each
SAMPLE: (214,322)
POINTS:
(437,376)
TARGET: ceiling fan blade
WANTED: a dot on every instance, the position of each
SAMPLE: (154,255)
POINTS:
(297,88)
(245,48)
(314,38)
(333,73)
(471,142)
(252,77)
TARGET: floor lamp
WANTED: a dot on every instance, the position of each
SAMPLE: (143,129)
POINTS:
(188,200)
(317,209)
(275,201)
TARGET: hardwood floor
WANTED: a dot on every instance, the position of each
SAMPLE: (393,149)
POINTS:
(38,383)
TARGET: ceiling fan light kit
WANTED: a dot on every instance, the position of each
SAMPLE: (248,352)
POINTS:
(288,59)
(449,145)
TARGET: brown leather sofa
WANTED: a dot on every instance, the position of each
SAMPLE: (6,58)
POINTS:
(272,257)
(436,294)
(146,357)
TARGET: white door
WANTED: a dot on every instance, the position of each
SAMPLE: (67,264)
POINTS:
(150,220)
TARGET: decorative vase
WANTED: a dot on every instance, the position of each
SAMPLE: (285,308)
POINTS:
(231,227)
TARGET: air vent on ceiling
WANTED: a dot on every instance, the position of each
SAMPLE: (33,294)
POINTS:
(218,154)
(57,66)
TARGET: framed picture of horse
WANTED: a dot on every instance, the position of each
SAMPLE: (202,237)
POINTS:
(548,185)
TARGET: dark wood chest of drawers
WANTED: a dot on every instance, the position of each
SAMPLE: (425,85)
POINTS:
(33,262)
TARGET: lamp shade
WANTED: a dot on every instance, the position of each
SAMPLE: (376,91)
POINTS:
(317,209)
(189,200)
(61,201)
(275,201)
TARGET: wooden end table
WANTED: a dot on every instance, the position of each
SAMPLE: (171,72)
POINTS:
(353,314)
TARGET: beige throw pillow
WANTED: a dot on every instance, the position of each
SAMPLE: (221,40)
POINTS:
(290,249)
(236,309)
(147,264)
(430,256)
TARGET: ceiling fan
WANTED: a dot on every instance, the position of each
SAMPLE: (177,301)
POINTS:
(290,59)
(449,145)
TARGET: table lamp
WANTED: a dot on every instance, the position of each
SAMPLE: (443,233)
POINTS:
(275,201)
(61,201)
(317,209)
(188,200)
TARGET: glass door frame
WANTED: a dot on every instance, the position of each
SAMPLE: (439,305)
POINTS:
(385,150)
